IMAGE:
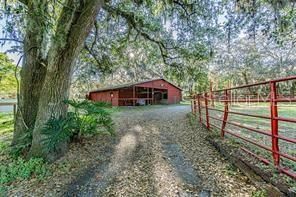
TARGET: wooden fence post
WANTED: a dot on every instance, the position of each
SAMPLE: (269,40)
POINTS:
(14,112)
(274,123)
(207,111)
(225,116)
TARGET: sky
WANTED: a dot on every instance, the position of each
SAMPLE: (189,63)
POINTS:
(7,45)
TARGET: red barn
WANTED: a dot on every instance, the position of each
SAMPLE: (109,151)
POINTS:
(156,91)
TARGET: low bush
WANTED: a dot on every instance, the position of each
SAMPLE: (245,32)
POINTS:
(85,118)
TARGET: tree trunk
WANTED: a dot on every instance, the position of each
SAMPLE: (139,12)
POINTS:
(292,90)
(73,28)
(32,77)
(245,76)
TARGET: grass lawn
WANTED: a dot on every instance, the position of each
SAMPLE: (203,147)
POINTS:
(6,123)
(6,130)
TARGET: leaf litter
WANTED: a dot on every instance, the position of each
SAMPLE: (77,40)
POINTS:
(156,152)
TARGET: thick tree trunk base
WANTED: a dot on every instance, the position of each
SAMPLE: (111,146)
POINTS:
(50,157)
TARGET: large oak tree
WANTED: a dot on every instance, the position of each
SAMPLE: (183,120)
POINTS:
(49,56)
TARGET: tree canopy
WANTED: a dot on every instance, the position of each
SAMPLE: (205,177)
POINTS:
(71,47)
(133,40)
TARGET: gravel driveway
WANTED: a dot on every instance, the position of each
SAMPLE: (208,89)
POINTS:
(158,153)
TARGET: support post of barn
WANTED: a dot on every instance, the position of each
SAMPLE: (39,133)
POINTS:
(147,96)
(134,95)
(152,102)
(274,123)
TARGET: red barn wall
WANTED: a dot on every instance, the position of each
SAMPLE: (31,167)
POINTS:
(105,97)
(174,93)
(160,84)
(126,93)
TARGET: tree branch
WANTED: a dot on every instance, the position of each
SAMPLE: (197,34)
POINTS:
(182,5)
(92,54)
(130,18)
(25,2)
(11,39)
(96,35)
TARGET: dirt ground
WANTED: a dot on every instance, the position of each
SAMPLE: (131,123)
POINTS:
(156,152)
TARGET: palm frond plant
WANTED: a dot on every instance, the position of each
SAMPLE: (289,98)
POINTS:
(85,118)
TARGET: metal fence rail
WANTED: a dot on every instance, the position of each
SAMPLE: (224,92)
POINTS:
(204,105)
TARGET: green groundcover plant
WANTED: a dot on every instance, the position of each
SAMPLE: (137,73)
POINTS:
(21,169)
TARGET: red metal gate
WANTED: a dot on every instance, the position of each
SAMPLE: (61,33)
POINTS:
(216,108)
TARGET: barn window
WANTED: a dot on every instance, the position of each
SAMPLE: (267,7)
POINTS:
(165,95)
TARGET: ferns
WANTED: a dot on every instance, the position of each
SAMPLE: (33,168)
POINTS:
(84,118)
(57,131)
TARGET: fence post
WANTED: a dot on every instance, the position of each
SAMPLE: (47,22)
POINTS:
(14,112)
(274,123)
(199,108)
(207,111)
(225,116)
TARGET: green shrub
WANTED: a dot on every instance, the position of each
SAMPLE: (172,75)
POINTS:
(57,131)
(20,169)
(91,117)
(84,118)
(259,193)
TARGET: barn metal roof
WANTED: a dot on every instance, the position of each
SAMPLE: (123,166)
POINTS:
(130,85)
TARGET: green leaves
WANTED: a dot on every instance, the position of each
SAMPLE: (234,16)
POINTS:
(91,117)
(20,169)
(84,118)
(8,83)
(57,131)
